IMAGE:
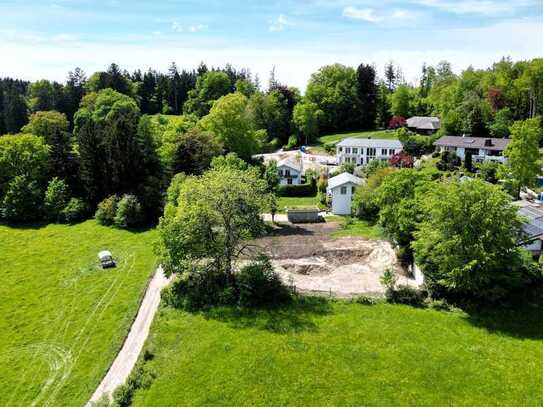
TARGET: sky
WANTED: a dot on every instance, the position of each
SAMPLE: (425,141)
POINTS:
(46,39)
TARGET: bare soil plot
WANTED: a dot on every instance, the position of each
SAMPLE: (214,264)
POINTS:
(308,257)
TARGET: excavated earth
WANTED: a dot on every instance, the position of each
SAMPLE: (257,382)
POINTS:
(309,258)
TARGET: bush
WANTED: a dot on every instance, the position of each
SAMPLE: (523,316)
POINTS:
(365,300)
(259,285)
(139,378)
(128,213)
(56,197)
(22,200)
(389,279)
(200,288)
(406,295)
(292,142)
(75,211)
(107,209)
(297,190)
(449,161)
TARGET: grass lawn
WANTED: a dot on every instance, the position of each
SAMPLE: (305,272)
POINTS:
(344,354)
(64,318)
(295,202)
(335,138)
(357,228)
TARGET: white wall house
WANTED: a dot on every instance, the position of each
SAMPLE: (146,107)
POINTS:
(341,190)
(361,151)
(290,171)
(480,148)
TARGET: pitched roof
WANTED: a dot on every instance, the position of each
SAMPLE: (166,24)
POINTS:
(493,144)
(291,163)
(534,214)
(424,123)
(369,142)
(343,179)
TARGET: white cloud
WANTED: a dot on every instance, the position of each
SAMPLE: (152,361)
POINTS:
(280,23)
(197,28)
(483,7)
(371,16)
(178,28)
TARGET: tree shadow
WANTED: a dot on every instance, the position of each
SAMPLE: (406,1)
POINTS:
(36,225)
(296,316)
(519,316)
(289,229)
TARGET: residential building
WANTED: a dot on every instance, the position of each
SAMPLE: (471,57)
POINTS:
(423,124)
(290,171)
(360,151)
(341,189)
(532,212)
(480,148)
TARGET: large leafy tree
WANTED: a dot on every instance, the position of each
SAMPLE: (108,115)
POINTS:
(467,242)
(229,121)
(215,214)
(53,127)
(334,90)
(523,153)
(106,128)
(194,151)
(209,87)
(306,117)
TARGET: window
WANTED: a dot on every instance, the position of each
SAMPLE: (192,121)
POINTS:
(347,150)
(391,151)
(355,150)
(371,151)
(287,173)
(289,181)
(352,190)
(340,149)
(280,173)
(343,191)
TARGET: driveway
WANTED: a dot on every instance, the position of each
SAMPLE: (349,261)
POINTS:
(128,355)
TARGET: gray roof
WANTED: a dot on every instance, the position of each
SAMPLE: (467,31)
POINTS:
(487,143)
(343,179)
(534,214)
(369,142)
(291,163)
(424,123)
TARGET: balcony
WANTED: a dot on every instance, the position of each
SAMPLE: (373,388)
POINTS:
(495,158)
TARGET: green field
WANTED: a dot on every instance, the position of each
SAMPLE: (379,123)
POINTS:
(63,317)
(357,228)
(344,354)
(334,138)
(295,202)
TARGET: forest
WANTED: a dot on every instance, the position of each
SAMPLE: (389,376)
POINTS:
(114,140)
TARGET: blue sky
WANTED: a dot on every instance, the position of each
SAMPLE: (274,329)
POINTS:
(46,39)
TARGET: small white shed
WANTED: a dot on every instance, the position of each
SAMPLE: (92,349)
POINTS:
(341,189)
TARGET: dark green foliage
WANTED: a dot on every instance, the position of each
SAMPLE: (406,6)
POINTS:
(449,161)
(76,210)
(22,201)
(140,377)
(302,190)
(406,295)
(107,209)
(56,197)
(366,88)
(414,144)
(259,285)
(488,170)
(129,213)
(194,151)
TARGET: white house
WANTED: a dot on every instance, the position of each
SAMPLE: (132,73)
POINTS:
(423,124)
(480,148)
(360,151)
(290,171)
(341,189)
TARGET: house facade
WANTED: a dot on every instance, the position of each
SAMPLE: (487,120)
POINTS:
(423,124)
(290,171)
(341,190)
(480,148)
(359,151)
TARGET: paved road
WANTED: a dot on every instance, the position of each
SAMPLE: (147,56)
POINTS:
(127,357)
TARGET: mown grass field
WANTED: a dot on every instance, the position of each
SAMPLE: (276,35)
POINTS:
(357,228)
(64,318)
(344,354)
(335,138)
(295,202)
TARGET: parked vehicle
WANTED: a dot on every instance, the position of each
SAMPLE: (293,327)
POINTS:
(106,259)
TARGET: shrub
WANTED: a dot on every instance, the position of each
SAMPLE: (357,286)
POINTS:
(297,190)
(56,197)
(449,161)
(406,295)
(21,202)
(105,214)
(258,284)
(139,378)
(365,300)
(389,279)
(128,213)
(74,211)
(396,122)
(292,142)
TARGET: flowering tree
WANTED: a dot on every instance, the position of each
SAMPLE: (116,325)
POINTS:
(396,122)
(401,160)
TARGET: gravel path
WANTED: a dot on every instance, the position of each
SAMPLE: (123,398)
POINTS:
(128,355)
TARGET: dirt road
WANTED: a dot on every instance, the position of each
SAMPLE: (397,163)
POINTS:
(127,357)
